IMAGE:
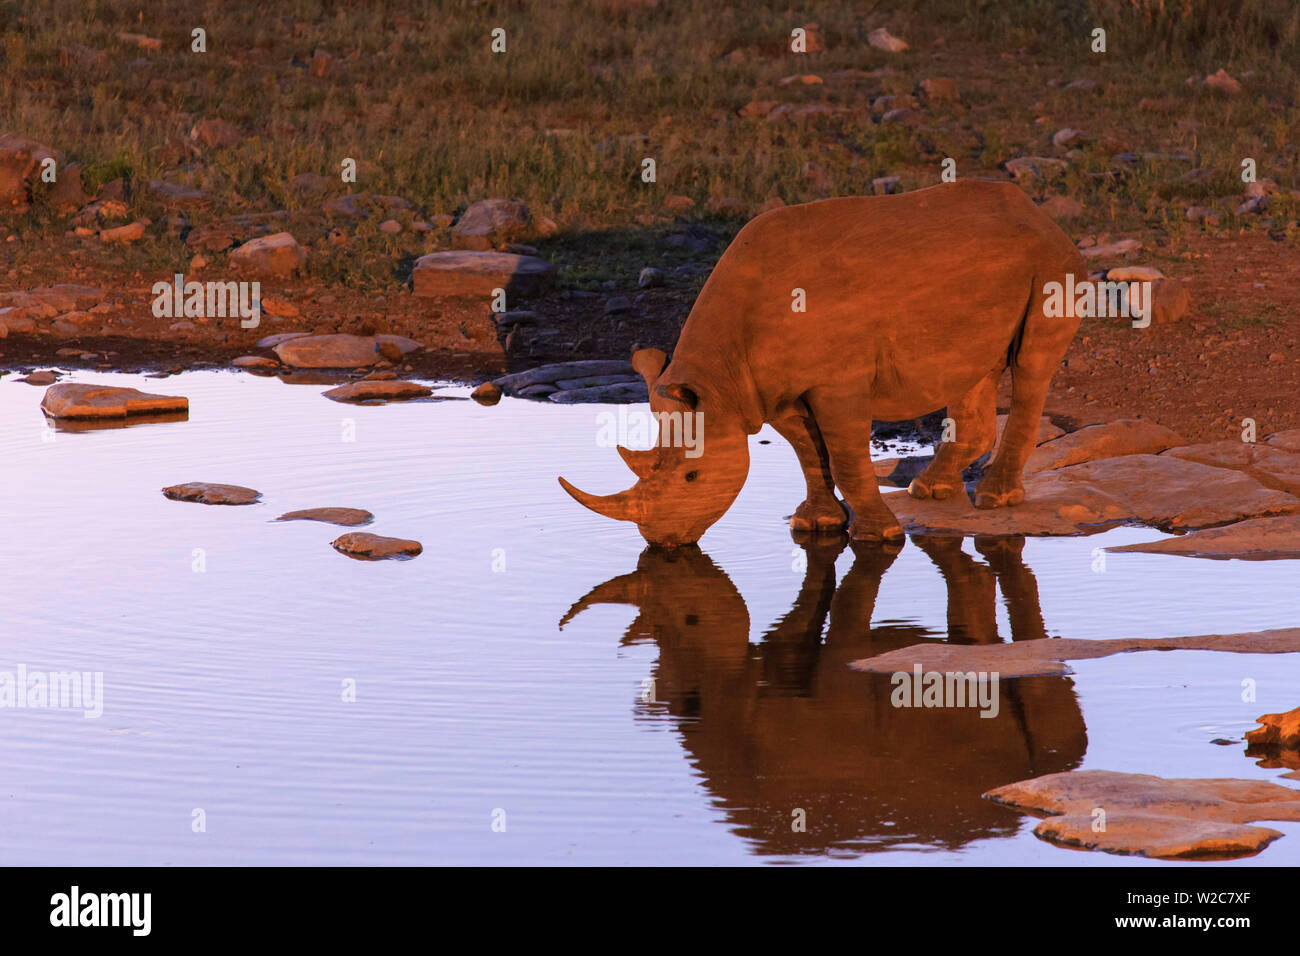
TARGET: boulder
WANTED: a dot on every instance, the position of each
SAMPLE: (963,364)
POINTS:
(490,223)
(329,351)
(1288,440)
(212,494)
(489,393)
(348,517)
(277,255)
(378,390)
(20,160)
(1153,816)
(477,274)
(85,401)
(361,544)
(1127,436)
(1028,169)
(1046,430)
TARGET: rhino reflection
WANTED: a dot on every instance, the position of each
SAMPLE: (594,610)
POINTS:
(786,725)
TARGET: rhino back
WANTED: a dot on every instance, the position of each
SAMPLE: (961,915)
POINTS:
(932,284)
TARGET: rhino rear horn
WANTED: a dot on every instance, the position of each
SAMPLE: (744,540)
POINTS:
(641,461)
(649,364)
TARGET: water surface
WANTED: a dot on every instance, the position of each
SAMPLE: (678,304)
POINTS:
(690,704)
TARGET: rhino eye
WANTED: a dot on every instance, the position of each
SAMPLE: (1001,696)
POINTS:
(692,475)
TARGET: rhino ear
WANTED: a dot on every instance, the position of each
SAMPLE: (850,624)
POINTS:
(649,363)
(679,393)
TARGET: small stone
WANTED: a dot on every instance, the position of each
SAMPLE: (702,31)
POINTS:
(390,226)
(277,255)
(649,278)
(378,390)
(1223,82)
(212,494)
(128,233)
(489,393)
(348,517)
(255,361)
(361,544)
(882,39)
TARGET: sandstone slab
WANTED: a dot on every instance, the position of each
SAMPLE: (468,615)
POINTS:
(84,401)
(1048,657)
(460,274)
(1153,816)
(1256,539)
(1127,436)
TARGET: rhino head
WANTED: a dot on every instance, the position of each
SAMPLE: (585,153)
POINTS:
(682,488)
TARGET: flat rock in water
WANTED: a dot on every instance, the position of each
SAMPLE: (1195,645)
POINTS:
(1134,489)
(255,361)
(477,274)
(73,400)
(562,371)
(212,494)
(365,391)
(614,394)
(1257,539)
(489,393)
(329,351)
(361,544)
(1278,730)
(1157,835)
(348,517)
(1153,816)
(1124,437)
(46,377)
(1037,658)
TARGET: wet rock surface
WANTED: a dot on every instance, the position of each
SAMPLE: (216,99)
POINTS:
(84,401)
(361,544)
(592,380)
(329,351)
(378,390)
(209,493)
(1152,816)
(1123,437)
(1256,539)
(1048,657)
(348,517)
(1146,489)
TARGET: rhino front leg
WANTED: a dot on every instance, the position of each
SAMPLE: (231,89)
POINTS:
(844,418)
(974,429)
(820,510)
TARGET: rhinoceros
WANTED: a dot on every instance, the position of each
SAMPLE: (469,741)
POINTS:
(912,303)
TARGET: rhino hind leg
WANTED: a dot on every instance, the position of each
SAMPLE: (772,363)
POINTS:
(820,510)
(843,415)
(973,431)
(1042,343)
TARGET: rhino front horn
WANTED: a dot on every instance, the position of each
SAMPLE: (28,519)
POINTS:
(619,506)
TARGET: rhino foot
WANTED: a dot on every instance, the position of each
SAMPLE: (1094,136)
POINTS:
(937,488)
(819,516)
(876,528)
(992,493)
